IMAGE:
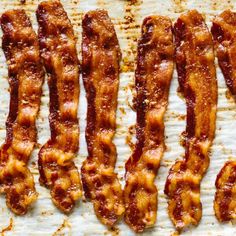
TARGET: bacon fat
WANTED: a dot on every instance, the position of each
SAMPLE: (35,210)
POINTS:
(25,76)
(100,64)
(197,80)
(58,50)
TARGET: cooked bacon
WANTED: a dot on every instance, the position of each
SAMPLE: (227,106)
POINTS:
(101,56)
(58,50)
(25,75)
(224,33)
(152,78)
(197,80)
(225,197)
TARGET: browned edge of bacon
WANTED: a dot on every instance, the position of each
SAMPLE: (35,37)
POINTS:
(198,84)
(100,64)
(25,76)
(58,50)
(152,81)
(224,34)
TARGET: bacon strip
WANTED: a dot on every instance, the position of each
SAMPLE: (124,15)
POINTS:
(225,197)
(25,75)
(152,78)
(197,80)
(58,50)
(224,33)
(101,56)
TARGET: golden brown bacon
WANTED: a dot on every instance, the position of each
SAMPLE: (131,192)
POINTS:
(25,74)
(224,33)
(58,50)
(225,197)
(197,80)
(152,78)
(101,56)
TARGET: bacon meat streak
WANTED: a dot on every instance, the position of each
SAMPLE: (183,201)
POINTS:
(58,50)
(224,33)
(25,75)
(101,56)
(152,78)
(197,80)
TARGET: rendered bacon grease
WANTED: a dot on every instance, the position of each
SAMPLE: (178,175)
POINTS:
(101,56)
(152,80)
(25,76)
(197,80)
(58,50)
(224,33)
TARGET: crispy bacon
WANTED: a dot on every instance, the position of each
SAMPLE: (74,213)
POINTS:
(58,50)
(101,55)
(25,75)
(224,33)
(225,197)
(197,80)
(152,78)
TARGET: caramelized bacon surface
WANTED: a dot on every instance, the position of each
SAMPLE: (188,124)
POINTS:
(197,80)
(152,78)
(225,197)
(25,75)
(101,56)
(58,50)
(224,33)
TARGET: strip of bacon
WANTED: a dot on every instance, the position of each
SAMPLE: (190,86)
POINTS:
(197,80)
(224,33)
(101,57)
(225,197)
(58,50)
(152,78)
(25,75)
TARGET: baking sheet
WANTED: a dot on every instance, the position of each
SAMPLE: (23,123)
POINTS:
(44,218)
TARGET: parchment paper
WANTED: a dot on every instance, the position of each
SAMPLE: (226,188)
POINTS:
(44,218)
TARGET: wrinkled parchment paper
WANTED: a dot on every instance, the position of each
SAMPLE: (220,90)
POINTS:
(44,218)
